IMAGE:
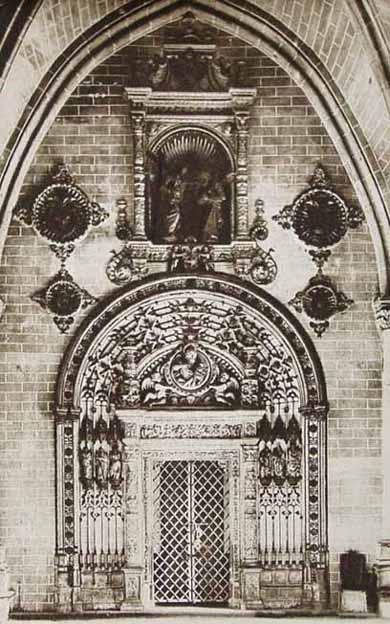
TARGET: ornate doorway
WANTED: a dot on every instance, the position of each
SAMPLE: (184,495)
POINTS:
(191,549)
(191,435)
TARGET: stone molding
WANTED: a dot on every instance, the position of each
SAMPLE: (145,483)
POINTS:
(382,313)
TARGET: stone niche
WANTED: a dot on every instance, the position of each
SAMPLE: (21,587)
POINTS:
(189,115)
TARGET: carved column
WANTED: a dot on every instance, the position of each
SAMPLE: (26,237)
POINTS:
(134,532)
(382,315)
(242,132)
(67,563)
(250,548)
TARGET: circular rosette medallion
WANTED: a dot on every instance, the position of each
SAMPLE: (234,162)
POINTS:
(63,298)
(320,302)
(319,218)
(190,369)
(263,269)
(61,214)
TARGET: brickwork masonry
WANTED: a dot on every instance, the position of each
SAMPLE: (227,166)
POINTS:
(93,136)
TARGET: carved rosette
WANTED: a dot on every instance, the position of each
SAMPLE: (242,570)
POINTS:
(63,298)
(62,213)
(320,300)
(319,216)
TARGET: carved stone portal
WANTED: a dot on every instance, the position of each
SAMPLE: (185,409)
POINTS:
(191,371)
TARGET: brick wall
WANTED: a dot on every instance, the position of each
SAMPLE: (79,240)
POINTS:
(92,134)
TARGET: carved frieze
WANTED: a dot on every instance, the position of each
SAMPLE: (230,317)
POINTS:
(190,430)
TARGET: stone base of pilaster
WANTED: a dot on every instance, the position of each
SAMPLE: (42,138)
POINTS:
(383,572)
(353,601)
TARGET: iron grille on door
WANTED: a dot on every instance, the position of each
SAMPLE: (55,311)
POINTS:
(191,555)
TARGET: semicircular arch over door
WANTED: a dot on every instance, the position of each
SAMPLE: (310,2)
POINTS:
(191,452)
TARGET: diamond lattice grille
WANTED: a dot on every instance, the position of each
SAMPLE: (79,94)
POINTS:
(190,562)
(210,562)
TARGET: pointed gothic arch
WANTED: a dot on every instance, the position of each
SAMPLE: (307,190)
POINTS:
(169,361)
(255,26)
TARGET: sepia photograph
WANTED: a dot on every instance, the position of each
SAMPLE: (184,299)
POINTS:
(194,311)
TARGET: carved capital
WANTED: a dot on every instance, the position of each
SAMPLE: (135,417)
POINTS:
(314,412)
(65,413)
(249,452)
(382,313)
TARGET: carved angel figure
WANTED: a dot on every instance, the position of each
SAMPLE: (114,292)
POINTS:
(154,391)
(226,391)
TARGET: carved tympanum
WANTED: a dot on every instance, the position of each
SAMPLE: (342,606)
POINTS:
(190,351)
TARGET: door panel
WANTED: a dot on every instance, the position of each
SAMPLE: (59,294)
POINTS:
(191,555)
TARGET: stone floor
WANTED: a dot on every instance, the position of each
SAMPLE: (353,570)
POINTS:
(205,619)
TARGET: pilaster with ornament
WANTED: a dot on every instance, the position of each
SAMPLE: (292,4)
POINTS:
(134,525)
(234,496)
(138,113)
(314,420)
(67,561)
(249,477)
(382,316)
(242,133)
